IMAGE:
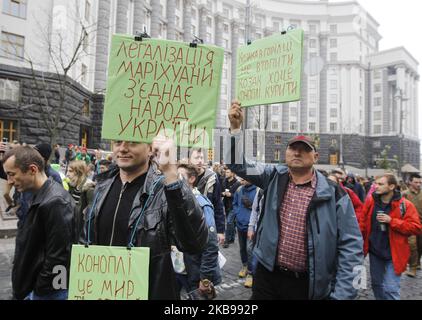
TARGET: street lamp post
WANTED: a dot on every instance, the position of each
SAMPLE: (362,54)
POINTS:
(399,96)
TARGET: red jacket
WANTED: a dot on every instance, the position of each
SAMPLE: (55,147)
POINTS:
(400,229)
(357,204)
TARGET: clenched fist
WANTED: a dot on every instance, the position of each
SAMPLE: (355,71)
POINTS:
(235,115)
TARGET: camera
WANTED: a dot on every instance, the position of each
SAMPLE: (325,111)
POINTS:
(5,140)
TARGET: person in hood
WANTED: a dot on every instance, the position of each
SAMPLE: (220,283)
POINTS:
(354,185)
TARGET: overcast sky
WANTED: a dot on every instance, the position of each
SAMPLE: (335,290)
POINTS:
(400,25)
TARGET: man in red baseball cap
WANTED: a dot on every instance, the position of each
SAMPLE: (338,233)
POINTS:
(308,243)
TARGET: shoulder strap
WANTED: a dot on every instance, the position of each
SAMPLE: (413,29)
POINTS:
(402,208)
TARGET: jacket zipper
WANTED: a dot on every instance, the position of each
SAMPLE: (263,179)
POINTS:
(115,212)
(313,254)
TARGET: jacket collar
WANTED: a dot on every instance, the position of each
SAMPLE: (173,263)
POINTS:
(396,197)
(39,196)
(323,189)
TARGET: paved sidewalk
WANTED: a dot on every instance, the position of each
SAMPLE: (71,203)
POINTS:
(232,287)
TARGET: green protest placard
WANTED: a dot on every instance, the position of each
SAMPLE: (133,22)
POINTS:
(269,70)
(108,273)
(162,87)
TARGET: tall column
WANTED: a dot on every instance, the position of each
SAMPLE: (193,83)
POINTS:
(234,46)
(304,102)
(218,23)
(323,86)
(102,45)
(155,18)
(187,20)
(121,16)
(139,18)
(171,19)
(203,12)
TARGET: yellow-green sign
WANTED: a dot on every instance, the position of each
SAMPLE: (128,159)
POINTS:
(108,273)
(162,87)
(269,70)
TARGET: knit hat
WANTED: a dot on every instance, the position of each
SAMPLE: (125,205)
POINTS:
(44,149)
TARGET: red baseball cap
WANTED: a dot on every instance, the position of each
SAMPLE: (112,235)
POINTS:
(304,139)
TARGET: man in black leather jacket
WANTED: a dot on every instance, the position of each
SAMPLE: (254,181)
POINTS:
(44,240)
(171,213)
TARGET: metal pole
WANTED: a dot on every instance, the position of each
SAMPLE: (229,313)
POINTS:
(341,120)
(247,34)
(401,133)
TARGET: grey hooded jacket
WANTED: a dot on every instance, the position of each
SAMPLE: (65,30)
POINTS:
(335,245)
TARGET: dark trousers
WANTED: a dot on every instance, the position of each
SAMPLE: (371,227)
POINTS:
(245,247)
(278,285)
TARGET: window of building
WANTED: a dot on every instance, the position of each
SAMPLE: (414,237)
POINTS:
(85,42)
(226,12)
(12,46)
(377,102)
(15,8)
(333,56)
(293,112)
(312,28)
(377,87)
(312,43)
(85,108)
(275,110)
(333,43)
(194,14)
(312,98)
(377,116)
(8,129)
(333,127)
(333,28)
(333,84)
(333,98)
(9,90)
(208,37)
(209,22)
(277,154)
(377,129)
(333,113)
(226,43)
(277,140)
(87,10)
(312,126)
(312,84)
(312,112)
(258,21)
(84,72)
(277,25)
(178,4)
(361,101)
(377,74)
(274,125)
(293,126)
(226,28)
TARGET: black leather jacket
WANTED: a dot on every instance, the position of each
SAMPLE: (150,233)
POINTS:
(44,241)
(172,217)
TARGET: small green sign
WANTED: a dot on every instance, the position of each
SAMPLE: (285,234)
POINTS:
(108,273)
(269,70)
(162,87)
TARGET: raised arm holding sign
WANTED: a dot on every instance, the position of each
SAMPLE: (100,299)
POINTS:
(162,87)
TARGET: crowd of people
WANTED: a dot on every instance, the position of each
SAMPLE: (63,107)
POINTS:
(302,233)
